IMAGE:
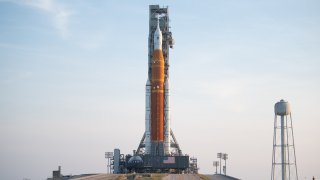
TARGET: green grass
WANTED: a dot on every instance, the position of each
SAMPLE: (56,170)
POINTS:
(203,177)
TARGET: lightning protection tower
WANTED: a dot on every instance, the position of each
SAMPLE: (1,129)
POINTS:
(284,166)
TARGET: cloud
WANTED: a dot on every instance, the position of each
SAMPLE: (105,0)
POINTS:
(60,15)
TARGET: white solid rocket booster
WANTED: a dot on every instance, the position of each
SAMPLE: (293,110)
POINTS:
(167,140)
(148,118)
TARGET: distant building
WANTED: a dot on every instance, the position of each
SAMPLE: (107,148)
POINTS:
(56,175)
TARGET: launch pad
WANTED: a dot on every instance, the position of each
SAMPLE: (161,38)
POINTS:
(142,163)
(158,150)
(163,164)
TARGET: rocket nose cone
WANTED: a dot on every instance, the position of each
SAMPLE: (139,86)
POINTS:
(157,38)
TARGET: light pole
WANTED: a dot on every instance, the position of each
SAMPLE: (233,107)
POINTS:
(109,155)
(225,157)
(219,155)
(216,164)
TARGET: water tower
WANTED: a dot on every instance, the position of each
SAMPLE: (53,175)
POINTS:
(284,166)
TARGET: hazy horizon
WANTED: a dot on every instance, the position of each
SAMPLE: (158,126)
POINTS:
(73,74)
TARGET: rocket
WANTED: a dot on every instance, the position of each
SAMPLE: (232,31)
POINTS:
(157,132)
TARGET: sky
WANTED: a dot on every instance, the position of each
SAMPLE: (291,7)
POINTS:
(73,74)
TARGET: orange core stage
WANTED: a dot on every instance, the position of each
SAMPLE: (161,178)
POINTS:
(157,96)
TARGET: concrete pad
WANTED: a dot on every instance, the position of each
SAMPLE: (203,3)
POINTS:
(100,177)
(182,177)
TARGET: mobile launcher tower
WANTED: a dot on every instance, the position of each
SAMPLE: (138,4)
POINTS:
(158,150)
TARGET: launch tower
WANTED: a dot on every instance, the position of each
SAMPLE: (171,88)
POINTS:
(158,150)
(167,145)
